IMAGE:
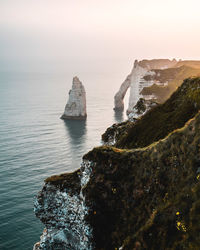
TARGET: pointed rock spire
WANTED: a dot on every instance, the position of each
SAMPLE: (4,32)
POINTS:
(76,105)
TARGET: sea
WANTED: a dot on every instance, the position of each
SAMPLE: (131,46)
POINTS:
(35,143)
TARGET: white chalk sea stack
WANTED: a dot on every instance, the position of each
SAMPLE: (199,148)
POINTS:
(75,108)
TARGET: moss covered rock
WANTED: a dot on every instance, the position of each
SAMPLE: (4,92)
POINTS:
(69,181)
(170,79)
(147,198)
(162,119)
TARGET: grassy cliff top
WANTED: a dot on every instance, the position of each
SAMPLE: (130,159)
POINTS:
(190,63)
(69,181)
(157,63)
(144,193)
(147,198)
(164,118)
(174,77)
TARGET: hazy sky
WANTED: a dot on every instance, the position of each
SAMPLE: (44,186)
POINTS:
(92,34)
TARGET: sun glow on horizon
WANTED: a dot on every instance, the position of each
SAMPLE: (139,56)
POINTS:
(114,30)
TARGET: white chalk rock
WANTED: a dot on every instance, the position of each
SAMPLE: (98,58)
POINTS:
(76,105)
(135,80)
(137,74)
(119,97)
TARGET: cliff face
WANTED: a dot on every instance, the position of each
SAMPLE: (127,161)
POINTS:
(119,97)
(61,208)
(160,120)
(166,81)
(141,107)
(117,130)
(157,63)
(147,198)
(76,105)
(136,81)
(137,73)
(144,195)
(154,80)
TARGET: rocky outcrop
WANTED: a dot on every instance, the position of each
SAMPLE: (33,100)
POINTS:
(143,194)
(137,73)
(161,120)
(119,97)
(76,105)
(157,63)
(61,208)
(141,107)
(136,81)
(166,81)
(114,132)
(147,198)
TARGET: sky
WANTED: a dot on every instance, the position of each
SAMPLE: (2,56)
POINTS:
(96,34)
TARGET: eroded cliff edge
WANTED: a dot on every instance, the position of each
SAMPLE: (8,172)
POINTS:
(159,121)
(141,197)
(154,80)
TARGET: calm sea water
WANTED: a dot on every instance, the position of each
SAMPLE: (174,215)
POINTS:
(35,143)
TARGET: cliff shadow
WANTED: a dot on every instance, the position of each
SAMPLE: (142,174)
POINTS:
(76,130)
(119,116)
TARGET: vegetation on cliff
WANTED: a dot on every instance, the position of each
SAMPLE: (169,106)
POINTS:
(147,198)
(162,119)
(144,193)
(68,181)
(190,63)
(173,77)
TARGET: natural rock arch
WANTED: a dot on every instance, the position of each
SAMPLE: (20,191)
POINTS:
(140,69)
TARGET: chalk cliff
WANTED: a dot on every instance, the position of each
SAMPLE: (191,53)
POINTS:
(136,81)
(138,73)
(144,193)
(76,105)
(160,120)
(119,97)
(61,208)
(165,81)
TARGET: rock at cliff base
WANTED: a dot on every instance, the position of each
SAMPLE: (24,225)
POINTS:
(75,108)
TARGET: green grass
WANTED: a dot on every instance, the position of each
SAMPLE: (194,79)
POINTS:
(147,198)
(69,181)
(144,193)
(163,119)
